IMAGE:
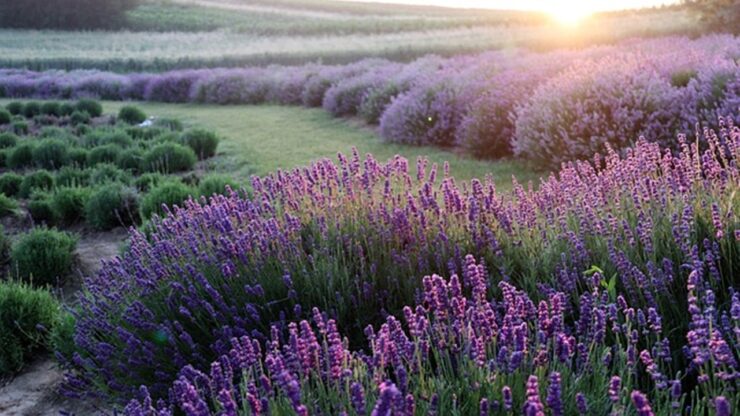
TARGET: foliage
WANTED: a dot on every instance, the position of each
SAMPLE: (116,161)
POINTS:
(31,109)
(131,114)
(111,205)
(40,180)
(624,241)
(130,159)
(19,127)
(169,158)
(8,206)
(4,247)
(8,140)
(78,156)
(216,185)
(103,154)
(203,142)
(26,316)
(717,15)
(10,183)
(61,337)
(5,116)
(107,172)
(51,108)
(69,203)
(20,156)
(91,107)
(479,103)
(43,256)
(79,117)
(161,199)
(64,14)
(51,154)
(41,209)
(149,180)
(72,176)
(15,107)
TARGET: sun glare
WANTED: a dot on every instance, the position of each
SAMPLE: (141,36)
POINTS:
(570,13)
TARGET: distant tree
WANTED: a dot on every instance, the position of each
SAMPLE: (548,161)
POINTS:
(717,15)
(64,14)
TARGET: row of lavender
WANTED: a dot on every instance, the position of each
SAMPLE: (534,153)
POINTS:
(548,107)
(612,288)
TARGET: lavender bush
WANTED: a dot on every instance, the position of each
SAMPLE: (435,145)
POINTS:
(462,352)
(649,232)
(346,97)
(379,97)
(173,87)
(548,107)
(427,114)
(247,86)
(593,105)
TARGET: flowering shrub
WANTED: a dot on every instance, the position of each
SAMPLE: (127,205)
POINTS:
(345,97)
(355,239)
(428,114)
(488,126)
(379,97)
(610,102)
(173,87)
(319,82)
(459,351)
(247,86)
(491,104)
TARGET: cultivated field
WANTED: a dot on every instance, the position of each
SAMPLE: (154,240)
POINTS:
(258,140)
(296,207)
(170,35)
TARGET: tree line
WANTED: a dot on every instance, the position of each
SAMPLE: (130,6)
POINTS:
(64,14)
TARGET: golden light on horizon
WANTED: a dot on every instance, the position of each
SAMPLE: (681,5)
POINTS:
(570,12)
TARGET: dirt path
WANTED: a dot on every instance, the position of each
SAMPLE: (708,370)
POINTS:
(34,391)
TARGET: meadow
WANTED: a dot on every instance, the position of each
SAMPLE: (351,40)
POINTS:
(341,208)
(168,35)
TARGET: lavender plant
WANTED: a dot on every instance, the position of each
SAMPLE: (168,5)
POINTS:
(356,238)
(548,107)
(459,351)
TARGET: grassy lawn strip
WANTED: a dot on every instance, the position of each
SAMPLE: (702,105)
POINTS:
(261,139)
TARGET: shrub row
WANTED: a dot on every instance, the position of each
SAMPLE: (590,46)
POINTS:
(612,286)
(105,196)
(493,104)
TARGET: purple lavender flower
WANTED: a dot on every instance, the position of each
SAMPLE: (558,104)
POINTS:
(554,401)
(508,399)
(389,396)
(722,406)
(615,388)
(642,406)
(581,403)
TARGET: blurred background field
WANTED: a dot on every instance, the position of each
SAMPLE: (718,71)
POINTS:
(159,35)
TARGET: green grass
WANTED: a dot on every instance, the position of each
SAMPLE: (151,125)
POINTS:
(258,140)
(309,20)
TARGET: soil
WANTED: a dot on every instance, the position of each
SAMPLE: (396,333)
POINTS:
(35,390)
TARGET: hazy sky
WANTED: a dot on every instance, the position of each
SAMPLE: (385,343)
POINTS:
(537,4)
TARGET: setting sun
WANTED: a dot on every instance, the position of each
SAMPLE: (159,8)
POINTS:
(570,13)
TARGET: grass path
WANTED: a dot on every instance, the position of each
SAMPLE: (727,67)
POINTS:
(261,139)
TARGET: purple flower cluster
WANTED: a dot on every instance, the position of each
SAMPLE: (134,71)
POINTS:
(443,344)
(548,107)
(596,270)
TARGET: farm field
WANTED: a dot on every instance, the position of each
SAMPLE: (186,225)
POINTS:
(353,208)
(161,36)
(258,140)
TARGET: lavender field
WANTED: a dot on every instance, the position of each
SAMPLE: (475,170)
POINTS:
(339,282)
(546,107)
